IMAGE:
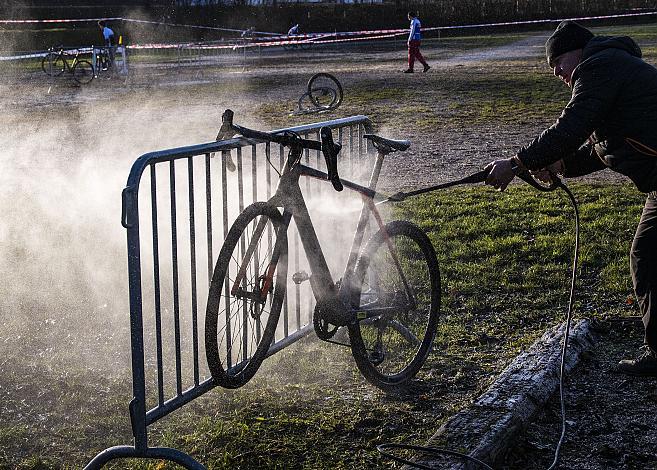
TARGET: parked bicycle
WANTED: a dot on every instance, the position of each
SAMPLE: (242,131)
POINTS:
(388,297)
(103,60)
(56,62)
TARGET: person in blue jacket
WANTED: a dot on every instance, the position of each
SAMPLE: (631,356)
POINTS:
(110,42)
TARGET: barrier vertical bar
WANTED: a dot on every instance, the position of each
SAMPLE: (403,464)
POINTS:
(240,203)
(254,171)
(318,189)
(192,258)
(286,329)
(224,193)
(240,180)
(254,189)
(137,405)
(156,289)
(268,181)
(208,214)
(268,169)
(352,164)
(174,280)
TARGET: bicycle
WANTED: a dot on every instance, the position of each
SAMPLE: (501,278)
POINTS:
(103,60)
(55,63)
(388,298)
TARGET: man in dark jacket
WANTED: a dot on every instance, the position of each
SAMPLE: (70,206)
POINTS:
(610,122)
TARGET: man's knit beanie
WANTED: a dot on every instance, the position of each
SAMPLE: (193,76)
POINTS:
(568,36)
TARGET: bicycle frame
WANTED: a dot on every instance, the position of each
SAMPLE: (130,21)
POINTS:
(289,196)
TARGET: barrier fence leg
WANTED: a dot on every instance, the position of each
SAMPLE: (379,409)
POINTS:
(129,452)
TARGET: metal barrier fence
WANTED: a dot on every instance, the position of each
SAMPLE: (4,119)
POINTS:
(100,59)
(190,197)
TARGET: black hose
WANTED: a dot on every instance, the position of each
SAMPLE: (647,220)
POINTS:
(557,183)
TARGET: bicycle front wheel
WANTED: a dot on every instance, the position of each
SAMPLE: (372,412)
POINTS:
(83,72)
(246,295)
(53,64)
(397,298)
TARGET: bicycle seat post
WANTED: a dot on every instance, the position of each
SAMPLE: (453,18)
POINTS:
(383,147)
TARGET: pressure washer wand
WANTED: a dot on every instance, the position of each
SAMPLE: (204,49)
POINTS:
(478,177)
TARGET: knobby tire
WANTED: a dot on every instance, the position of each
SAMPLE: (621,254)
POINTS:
(234,374)
(53,64)
(315,90)
(378,284)
(83,72)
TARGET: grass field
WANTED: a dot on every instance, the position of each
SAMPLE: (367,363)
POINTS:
(505,257)
(505,260)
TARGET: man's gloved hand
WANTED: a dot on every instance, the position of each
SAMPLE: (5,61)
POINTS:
(500,173)
(545,174)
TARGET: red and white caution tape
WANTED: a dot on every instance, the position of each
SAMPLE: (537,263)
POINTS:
(300,39)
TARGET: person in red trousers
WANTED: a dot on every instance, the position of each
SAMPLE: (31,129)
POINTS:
(414,45)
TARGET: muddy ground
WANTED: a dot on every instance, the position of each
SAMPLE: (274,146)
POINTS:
(51,124)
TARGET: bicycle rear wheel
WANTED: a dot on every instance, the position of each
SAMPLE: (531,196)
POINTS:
(53,64)
(246,295)
(83,72)
(397,304)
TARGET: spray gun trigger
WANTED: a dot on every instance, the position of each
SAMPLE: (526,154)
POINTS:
(300,277)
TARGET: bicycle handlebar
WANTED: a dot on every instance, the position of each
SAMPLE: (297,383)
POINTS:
(292,140)
(330,151)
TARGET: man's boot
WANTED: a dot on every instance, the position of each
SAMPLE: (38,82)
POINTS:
(645,365)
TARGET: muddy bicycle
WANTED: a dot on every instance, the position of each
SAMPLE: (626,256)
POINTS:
(56,63)
(387,299)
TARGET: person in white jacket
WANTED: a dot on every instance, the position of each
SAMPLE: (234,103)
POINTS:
(414,37)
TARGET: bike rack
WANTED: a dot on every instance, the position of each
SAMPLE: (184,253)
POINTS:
(168,287)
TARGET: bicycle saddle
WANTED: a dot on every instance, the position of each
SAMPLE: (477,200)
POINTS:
(381,143)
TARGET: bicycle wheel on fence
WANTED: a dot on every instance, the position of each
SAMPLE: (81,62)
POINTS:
(325,90)
(246,295)
(398,305)
(53,64)
(83,71)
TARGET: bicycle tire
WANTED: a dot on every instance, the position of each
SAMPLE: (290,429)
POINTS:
(322,84)
(408,332)
(245,314)
(53,64)
(83,72)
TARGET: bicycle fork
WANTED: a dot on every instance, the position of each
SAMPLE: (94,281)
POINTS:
(267,283)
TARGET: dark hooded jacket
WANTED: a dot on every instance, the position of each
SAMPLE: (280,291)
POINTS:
(611,119)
